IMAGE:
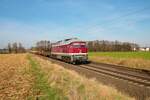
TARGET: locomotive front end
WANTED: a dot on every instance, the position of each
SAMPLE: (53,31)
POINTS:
(79,52)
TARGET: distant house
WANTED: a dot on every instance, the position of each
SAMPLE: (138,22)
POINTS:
(134,49)
(147,49)
(144,49)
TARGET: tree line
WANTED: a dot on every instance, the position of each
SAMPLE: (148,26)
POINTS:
(105,45)
(95,46)
(16,48)
(43,45)
(13,48)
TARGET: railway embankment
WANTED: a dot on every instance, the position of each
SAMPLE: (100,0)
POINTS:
(133,82)
(76,86)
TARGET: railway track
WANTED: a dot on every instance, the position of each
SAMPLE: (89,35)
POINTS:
(128,75)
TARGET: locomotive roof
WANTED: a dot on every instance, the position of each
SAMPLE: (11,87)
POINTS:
(66,41)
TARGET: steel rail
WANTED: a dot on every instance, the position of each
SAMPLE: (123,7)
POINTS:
(122,71)
(124,76)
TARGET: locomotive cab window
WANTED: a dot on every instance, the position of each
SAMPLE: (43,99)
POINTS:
(79,46)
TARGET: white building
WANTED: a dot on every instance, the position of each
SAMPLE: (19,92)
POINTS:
(147,49)
(144,49)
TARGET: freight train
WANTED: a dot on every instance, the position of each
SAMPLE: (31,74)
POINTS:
(70,50)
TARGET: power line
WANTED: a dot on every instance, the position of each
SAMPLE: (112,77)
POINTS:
(119,17)
(128,14)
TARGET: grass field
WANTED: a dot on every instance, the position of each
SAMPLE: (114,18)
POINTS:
(130,59)
(28,77)
(15,84)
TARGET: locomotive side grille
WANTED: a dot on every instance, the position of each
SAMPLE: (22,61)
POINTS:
(80,58)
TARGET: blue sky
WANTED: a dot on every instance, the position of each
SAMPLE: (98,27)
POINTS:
(28,21)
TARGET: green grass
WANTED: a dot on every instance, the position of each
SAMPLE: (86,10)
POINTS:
(41,88)
(141,55)
(138,60)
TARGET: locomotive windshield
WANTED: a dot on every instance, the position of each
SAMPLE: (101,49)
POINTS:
(79,45)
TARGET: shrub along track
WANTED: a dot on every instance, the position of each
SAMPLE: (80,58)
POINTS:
(133,82)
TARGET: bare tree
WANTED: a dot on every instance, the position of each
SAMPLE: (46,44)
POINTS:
(9,48)
(21,49)
(15,47)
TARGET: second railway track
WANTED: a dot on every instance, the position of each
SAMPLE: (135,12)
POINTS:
(124,75)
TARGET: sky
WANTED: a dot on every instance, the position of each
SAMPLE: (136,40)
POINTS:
(28,21)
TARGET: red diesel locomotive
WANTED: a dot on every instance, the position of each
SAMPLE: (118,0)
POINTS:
(70,50)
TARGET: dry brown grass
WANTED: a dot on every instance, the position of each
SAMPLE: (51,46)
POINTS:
(77,87)
(14,83)
(128,62)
